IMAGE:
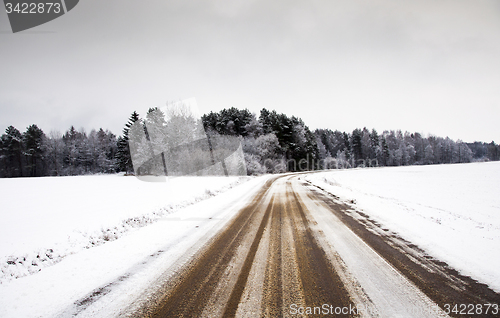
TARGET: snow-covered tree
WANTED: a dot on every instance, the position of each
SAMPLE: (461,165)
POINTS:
(123,158)
(12,153)
(429,154)
(33,140)
(54,153)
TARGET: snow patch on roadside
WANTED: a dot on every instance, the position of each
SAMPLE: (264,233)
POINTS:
(44,243)
(450,211)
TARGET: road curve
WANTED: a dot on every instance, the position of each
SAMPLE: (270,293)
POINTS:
(294,252)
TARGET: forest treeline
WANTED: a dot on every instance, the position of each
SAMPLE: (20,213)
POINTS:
(271,143)
(277,143)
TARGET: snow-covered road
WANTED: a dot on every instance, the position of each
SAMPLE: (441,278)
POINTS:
(294,250)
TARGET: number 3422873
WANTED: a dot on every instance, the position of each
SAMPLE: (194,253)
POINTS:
(472,309)
(33,8)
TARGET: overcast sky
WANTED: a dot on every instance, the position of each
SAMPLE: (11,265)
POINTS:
(431,66)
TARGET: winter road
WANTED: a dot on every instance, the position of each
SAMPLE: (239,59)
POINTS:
(295,251)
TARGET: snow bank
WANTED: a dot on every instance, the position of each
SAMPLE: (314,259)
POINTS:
(47,219)
(451,211)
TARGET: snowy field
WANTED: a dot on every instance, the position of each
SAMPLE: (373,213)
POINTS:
(450,211)
(47,219)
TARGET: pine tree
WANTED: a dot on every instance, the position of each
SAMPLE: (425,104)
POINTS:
(74,152)
(33,140)
(106,161)
(123,158)
(429,154)
(266,118)
(54,147)
(210,122)
(254,127)
(156,134)
(12,148)
(356,144)
(385,151)
(493,151)
(374,143)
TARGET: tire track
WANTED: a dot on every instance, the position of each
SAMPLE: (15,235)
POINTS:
(270,240)
(321,283)
(441,283)
(287,255)
(188,295)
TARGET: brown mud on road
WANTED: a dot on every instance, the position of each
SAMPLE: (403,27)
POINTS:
(266,262)
(441,283)
(295,251)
